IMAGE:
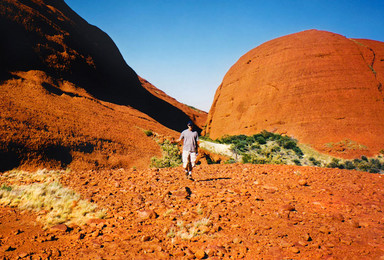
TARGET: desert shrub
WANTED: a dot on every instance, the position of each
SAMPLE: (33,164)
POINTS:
(349,165)
(246,158)
(363,165)
(260,139)
(314,161)
(233,139)
(298,151)
(335,163)
(275,149)
(148,132)
(375,164)
(239,147)
(297,162)
(374,170)
(269,135)
(171,156)
(230,161)
(6,187)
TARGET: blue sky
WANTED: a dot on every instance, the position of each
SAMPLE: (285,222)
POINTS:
(185,47)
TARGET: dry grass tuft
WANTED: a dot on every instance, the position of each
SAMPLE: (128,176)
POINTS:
(42,192)
(189,231)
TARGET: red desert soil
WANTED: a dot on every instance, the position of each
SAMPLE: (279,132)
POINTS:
(254,212)
(316,86)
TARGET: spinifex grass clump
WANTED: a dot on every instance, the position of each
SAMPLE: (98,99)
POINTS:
(171,156)
(44,194)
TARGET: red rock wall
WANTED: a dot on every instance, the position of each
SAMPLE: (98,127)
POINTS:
(318,87)
(49,36)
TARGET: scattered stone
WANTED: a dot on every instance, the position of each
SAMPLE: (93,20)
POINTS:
(180,194)
(147,214)
(303,182)
(179,254)
(307,237)
(162,255)
(200,254)
(23,254)
(285,244)
(324,230)
(17,232)
(270,189)
(354,223)
(287,207)
(295,250)
(95,221)
(10,248)
(145,238)
(338,217)
(204,229)
(237,240)
(60,227)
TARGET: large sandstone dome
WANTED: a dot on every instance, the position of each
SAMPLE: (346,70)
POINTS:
(319,87)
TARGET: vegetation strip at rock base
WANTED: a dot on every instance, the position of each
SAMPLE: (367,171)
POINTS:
(271,148)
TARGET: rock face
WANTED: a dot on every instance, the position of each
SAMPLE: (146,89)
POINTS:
(49,36)
(67,97)
(198,116)
(319,87)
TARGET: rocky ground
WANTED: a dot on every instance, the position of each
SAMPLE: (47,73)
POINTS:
(227,212)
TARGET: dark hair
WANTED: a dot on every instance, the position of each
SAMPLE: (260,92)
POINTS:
(190,123)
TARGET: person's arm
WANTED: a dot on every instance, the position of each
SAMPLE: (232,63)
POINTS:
(197,144)
(180,138)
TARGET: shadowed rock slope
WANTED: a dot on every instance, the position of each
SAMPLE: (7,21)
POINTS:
(49,36)
(319,87)
(60,81)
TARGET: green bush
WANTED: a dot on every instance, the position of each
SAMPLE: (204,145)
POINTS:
(260,139)
(171,156)
(230,161)
(349,165)
(335,163)
(6,187)
(297,162)
(148,132)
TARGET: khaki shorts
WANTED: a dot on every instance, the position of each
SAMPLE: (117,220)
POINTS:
(189,157)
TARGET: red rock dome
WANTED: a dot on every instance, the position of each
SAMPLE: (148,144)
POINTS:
(319,87)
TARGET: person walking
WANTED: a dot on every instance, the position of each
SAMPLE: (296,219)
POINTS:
(190,148)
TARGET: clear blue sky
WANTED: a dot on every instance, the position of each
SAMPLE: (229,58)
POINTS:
(185,47)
